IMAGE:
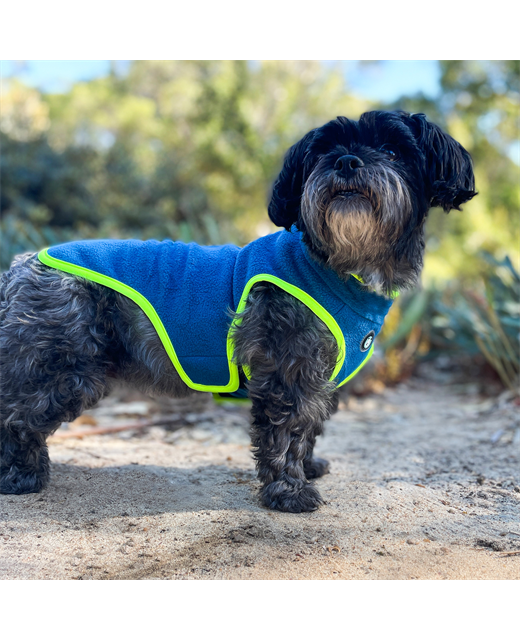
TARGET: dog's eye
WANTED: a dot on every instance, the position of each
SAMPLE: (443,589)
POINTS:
(391,150)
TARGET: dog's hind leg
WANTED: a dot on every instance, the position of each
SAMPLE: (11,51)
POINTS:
(53,364)
(291,355)
(313,466)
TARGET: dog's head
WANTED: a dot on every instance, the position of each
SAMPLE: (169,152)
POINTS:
(360,193)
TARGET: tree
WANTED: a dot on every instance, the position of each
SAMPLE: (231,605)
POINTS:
(189,149)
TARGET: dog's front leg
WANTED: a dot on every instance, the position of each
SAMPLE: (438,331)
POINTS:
(291,355)
(281,439)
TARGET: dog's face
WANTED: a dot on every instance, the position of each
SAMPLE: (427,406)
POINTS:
(361,191)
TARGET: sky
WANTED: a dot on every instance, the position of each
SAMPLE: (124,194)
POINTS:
(385,82)
(391,79)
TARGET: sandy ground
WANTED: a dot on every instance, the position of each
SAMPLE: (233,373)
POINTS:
(417,490)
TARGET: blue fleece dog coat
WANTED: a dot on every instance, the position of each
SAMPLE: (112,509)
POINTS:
(188,292)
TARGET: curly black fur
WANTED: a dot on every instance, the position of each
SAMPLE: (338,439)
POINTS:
(291,355)
(359,191)
(63,341)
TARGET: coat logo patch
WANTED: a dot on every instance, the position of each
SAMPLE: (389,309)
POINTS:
(367,341)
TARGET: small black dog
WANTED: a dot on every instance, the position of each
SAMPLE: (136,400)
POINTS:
(354,195)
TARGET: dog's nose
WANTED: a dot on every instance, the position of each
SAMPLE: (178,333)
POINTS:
(346,164)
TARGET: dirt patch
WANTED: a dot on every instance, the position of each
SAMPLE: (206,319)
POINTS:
(421,487)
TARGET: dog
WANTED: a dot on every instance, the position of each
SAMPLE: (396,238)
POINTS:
(305,304)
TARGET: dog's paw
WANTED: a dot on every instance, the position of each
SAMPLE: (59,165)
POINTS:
(18,483)
(23,469)
(297,498)
(316,468)
(28,475)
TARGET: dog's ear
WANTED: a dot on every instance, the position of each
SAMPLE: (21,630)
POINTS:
(284,207)
(448,165)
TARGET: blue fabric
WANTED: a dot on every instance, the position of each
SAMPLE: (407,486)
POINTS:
(356,310)
(193,289)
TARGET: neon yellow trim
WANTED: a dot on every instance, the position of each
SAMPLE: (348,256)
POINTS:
(238,401)
(308,301)
(394,295)
(148,309)
(369,355)
(152,315)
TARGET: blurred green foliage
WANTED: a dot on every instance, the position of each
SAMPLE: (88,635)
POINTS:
(485,319)
(480,107)
(185,150)
(188,150)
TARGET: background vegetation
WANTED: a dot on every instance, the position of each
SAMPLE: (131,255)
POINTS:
(188,150)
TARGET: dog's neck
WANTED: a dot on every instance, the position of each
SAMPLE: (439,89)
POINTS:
(371,284)
(377,280)
(375,289)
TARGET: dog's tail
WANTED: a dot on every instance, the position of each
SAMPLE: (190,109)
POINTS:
(4,277)
(7,284)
